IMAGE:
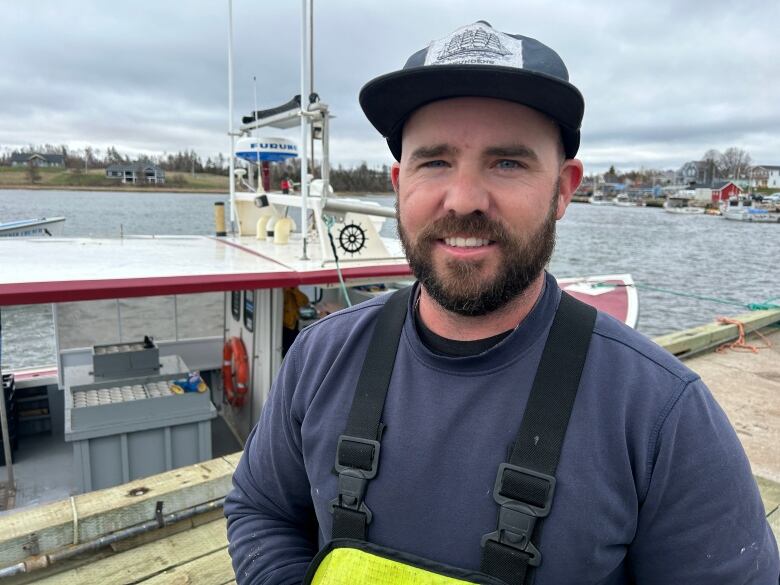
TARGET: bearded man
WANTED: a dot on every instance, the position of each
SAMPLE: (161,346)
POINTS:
(616,449)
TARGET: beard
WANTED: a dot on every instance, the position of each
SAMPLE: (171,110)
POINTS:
(459,286)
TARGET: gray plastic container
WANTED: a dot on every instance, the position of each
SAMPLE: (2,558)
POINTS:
(123,430)
(122,360)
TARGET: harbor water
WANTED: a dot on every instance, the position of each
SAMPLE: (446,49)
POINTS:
(689,269)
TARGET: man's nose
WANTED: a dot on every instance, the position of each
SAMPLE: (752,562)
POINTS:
(467,193)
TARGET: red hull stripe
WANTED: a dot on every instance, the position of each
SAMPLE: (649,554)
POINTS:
(30,293)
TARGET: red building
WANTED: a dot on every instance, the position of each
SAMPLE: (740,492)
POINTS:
(724,190)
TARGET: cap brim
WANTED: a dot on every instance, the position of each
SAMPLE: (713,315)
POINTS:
(390,99)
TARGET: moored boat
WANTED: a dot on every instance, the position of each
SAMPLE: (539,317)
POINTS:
(598,198)
(680,205)
(33,228)
(623,200)
(741,210)
(614,294)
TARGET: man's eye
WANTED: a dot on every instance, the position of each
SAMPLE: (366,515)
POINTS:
(435,164)
(508,164)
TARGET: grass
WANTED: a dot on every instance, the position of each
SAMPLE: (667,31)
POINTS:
(17,177)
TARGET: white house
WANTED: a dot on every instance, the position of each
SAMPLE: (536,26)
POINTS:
(136,173)
(773,176)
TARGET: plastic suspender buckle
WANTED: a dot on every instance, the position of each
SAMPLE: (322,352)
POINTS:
(354,480)
(517,518)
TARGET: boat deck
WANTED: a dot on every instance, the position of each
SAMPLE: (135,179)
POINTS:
(81,269)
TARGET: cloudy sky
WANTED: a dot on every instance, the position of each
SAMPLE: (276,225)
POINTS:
(664,80)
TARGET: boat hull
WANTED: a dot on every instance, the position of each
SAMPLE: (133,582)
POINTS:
(33,228)
(751,217)
(613,294)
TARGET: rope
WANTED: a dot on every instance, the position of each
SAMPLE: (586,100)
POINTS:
(739,344)
(766,305)
(329,222)
(75,521)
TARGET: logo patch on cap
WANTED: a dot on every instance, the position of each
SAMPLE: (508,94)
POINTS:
(476,44)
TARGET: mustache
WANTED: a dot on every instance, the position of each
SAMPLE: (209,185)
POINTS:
(475,224)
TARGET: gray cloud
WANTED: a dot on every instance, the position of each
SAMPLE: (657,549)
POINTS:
(664,81)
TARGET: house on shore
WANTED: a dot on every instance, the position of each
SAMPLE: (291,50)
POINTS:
(37,159)
(697,172)
(725,190)
(136,173)
(765,176)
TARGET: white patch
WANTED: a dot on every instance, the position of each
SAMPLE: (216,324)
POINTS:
(476,44)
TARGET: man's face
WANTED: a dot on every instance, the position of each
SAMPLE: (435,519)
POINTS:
(480,186)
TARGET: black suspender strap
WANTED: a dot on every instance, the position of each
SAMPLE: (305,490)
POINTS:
(357,452)
(525,485)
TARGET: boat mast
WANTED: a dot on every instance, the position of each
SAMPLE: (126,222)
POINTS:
(231,164)
(305,91)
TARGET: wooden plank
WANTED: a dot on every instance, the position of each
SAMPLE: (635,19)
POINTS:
(212,569)
(233,458)
(168,530)
(50,527)
(149,560)
(698,339)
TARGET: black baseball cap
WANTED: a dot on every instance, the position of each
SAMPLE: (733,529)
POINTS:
(476,61)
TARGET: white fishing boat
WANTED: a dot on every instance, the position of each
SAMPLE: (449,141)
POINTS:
(741,210)
(598,198)
(623,200)
(33,228)
(680,206)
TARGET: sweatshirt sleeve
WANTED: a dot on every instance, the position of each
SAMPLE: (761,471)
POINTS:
(271,525)
(702,520)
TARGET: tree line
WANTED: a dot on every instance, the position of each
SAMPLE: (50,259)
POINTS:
(732,163)
(90,158)
(361,178)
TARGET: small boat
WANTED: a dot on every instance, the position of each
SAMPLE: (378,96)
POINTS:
(613,294)
(598,198)
(736,210)
(624,200)
(679,205)
(32,228)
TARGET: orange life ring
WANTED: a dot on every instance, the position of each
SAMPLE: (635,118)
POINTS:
(235,364)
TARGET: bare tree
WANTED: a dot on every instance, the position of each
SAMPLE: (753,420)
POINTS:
(735,163)
(88,158)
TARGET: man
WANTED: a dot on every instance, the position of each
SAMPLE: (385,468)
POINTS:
(652,485)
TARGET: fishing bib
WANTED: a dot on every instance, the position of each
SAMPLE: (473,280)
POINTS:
(524,485)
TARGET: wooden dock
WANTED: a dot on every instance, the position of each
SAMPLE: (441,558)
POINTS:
(747,385)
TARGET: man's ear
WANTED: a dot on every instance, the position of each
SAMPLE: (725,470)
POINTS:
(569,178)
(395,170)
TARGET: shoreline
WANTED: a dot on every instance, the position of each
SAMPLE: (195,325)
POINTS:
(192,191)
(110,189)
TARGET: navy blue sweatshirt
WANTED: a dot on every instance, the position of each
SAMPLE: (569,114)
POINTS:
(653,486)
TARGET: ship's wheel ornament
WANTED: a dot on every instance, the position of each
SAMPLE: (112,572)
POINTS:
(352,238)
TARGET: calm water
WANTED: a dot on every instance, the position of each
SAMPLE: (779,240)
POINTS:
(699,255)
